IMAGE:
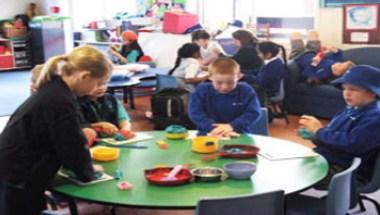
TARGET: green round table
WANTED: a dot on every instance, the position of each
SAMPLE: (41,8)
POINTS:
(290,175)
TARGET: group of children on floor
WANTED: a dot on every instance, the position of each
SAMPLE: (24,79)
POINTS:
(47,131)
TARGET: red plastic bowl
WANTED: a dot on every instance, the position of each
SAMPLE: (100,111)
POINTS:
(239,151)
(157,176)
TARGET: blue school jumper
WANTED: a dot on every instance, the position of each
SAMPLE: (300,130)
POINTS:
(269,76)
(240,108)
(351,133)
(323,70)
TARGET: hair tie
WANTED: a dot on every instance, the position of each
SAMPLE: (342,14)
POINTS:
(64,57)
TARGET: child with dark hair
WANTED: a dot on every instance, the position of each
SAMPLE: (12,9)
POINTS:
(210,51)
(268,79)
(130,51)
(246,55)
(187,68)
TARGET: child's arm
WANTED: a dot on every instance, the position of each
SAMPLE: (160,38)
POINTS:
(360,139)
(196,80)
(132,56)
(123,117)
(251,108)
(118,55)
(197,112)
(106,127)
(70,146)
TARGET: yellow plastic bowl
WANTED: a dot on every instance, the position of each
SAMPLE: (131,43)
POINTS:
(205,144)
(174,136)
(102,153)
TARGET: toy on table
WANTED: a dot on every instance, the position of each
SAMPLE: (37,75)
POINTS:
(205,144)
(305,134)
(234,151)
(158,176)
(124,185)
(176,132)
(173,173)
(122,135)
(162,144)
(102,153)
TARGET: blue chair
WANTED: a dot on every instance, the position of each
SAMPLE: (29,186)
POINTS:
(165,82)
(337,201)
(277,105)
(261,125)
(271,203)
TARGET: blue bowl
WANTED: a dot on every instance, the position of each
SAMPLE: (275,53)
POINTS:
(240,170)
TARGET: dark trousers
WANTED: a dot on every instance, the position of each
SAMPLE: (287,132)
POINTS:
(15,200)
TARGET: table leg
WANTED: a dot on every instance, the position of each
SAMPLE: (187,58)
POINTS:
(131,97)
(72,206)
(125,94)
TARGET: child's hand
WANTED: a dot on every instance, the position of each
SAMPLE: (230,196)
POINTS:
(90,135)
(221,130)
(310,123)
(316,60)
(107,128)
(98,168)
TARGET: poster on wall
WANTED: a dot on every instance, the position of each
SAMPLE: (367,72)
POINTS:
(157,8)
(361,23)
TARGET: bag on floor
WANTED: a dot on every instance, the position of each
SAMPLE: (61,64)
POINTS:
(169,106)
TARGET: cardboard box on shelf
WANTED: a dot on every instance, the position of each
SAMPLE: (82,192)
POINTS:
(178,22)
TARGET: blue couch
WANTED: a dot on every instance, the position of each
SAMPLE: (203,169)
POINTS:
(324,100)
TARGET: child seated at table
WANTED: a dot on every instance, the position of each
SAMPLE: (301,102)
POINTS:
(224,107)
(130,51)
(104,112)
(268,79)
(187,68)
(352,132)
(210,51)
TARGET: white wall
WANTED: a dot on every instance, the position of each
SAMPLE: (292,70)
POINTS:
(10,8)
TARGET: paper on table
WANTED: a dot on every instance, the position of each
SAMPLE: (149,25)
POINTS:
(105,177)
(137,138)
(274,151)
(133,67)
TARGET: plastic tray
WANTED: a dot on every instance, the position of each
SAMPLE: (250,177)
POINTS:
(238,151)
(157,176)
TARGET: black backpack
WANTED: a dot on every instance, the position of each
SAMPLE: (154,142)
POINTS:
(169,106)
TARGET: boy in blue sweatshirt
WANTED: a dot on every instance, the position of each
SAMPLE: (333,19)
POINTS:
(354,131)
(224,107)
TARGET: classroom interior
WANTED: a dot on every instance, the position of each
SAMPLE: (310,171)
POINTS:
(60,25)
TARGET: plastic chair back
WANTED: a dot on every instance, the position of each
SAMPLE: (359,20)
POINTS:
(280,95)
(339,192)
(271,203)
(374,184)
(261,124)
